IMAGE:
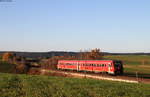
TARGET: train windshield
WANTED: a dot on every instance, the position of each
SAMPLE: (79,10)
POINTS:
(118,64)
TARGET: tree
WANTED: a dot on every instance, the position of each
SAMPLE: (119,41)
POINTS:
(94,54)
(8,57)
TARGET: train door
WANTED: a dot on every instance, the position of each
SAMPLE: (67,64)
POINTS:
(78,66)
(109,67)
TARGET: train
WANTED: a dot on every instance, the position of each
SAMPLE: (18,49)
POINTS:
(113,67)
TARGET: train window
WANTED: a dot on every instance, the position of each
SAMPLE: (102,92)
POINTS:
(102,65)
(69,64)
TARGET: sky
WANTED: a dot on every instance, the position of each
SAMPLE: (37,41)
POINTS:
(74,25)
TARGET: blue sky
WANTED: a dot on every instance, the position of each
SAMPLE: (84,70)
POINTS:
(74,25)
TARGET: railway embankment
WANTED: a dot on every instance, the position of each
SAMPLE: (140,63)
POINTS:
(94,76)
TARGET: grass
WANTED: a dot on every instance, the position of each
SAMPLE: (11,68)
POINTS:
(44,86)
(131,59)
(133,64)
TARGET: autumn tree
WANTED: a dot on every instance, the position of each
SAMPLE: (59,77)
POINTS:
(94,54)
(8,57)
(51,63)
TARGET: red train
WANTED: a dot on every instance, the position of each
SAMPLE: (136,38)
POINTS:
(109,66)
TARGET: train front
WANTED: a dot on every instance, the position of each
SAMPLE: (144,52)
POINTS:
(118,67)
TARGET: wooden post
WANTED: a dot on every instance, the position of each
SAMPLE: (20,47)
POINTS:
(137,76)
(143,62)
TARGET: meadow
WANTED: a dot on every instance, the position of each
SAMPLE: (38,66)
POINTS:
(12,85)
(133,64)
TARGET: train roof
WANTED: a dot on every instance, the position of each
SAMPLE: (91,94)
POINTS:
(89,60)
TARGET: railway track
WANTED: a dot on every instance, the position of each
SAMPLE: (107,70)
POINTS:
(97,76)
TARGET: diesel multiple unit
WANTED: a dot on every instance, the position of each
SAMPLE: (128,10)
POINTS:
(108,66)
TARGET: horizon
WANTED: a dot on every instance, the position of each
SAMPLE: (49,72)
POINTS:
(113,26)
(76,52)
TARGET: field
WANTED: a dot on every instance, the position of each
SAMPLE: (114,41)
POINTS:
(133,64)
(46,86)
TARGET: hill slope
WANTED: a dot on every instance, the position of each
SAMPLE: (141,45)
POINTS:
(6,67)
(45,86)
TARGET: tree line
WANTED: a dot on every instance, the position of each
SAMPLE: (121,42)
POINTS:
(23,64)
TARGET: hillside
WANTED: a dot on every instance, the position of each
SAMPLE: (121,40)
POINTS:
(133,64)
(6,67)
(45,86)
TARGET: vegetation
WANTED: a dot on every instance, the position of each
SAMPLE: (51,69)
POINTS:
(44,86)
(134,63)
(10,63)
(7,56)
(131,59)
(94,54)
(6,67)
